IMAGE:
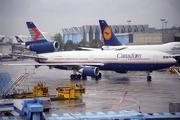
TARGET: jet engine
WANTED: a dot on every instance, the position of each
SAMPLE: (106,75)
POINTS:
(89,71)
(43,47)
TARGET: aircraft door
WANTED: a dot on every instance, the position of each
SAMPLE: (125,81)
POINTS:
(51,58)
(155,58)
(91,58)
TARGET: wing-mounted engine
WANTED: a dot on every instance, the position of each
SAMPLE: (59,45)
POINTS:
(89,71)
(43,47)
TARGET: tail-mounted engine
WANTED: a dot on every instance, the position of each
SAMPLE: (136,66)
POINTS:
(43,47)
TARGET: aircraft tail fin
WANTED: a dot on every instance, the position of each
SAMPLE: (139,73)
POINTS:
(19,39)
(109,38)
(35,33)
(2,39)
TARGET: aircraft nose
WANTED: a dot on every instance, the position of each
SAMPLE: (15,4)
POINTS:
(173,60)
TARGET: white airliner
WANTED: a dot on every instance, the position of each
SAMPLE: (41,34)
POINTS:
(88,63)
(170,48)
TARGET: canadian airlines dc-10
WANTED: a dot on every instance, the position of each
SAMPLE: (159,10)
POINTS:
(88,63)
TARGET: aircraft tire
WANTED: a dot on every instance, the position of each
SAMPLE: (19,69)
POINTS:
(75,77)
(99,75)
(72,77)
(84,77)
(79,76)
(148,78)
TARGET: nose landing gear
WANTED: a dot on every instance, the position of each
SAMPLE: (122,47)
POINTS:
(149,77)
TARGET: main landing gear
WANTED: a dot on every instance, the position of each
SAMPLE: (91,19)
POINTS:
(149,77)
(84,77)
(75,77)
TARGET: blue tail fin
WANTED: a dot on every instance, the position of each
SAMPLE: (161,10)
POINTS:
(19,40)
(2,39)
(35,32)
(109,37)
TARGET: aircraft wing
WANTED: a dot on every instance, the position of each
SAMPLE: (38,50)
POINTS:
(30,56)
(55,64)
(121,48)
(88,49)
(103,48)
(177,57)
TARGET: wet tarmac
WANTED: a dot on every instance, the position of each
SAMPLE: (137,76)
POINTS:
(105,94)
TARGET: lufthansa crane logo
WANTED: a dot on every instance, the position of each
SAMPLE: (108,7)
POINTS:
(107,33)
(18,39)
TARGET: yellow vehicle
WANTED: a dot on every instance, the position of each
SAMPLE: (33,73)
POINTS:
(39,91)
(70,91)
(24,94)
(171,69)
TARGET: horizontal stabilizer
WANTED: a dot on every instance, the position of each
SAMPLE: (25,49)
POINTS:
(88,49)
(121,48)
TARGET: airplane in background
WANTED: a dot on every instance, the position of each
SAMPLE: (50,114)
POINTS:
(88,63)
(112,43)
(40,43)
(1,40)
(19,40)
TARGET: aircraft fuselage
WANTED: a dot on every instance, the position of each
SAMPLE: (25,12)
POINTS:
(125,60)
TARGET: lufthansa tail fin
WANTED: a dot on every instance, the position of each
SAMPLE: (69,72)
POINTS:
(19,40)
(109,37)
(35,33)
(2,39)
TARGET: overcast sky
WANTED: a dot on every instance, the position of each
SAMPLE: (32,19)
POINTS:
(53,15)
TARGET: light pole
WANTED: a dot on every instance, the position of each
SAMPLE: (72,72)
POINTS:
(166,25)
(129,28)
(162,27)
(129,22)
(129,25)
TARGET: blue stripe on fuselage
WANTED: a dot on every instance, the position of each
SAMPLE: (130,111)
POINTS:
(135,67)
(129,66)
(60,67)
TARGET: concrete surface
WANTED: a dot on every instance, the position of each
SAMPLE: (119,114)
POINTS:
(106,94)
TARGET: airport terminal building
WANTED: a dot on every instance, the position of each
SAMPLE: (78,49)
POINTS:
(75,34)
(126,34)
